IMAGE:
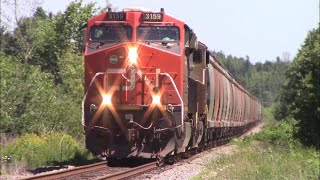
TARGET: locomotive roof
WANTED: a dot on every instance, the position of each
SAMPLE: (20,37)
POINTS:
(135,9)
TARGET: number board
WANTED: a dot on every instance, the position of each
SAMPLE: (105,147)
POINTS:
(116,16)
(152,17)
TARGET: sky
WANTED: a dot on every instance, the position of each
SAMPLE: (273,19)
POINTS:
(261,29)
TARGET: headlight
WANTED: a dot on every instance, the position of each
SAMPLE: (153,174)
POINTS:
(106,99)
(156,99)
(133,55)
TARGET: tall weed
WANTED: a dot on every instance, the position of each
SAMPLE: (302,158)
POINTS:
(264,161)
(280,133)
(267,114)
(43,150)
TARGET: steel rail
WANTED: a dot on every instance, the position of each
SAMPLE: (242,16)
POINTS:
(69,172)
(131,172)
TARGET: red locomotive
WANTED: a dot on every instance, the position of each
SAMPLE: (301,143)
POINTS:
(153,90)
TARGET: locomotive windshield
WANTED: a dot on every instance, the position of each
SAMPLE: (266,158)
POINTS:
(158,33)
(111,33)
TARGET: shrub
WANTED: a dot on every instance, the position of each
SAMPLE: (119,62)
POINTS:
(280,133)
(43,150)
(32,103)
(267,114)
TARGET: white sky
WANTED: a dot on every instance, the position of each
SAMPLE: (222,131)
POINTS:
(261,29)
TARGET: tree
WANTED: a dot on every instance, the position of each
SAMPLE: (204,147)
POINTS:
(65,36)
(69,24)
(300,96)
(31,102)
(42,91)
(40,13)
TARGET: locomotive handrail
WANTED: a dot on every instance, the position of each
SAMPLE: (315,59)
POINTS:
(165,129)
(167,23)
(85,96)
(139,125)
(111,22)
(176,89)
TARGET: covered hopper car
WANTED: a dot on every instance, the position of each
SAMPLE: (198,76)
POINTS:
(153,90)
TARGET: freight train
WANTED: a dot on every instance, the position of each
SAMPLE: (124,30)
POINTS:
(153,90)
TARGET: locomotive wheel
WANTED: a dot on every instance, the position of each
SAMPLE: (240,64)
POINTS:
(112,162)
(169,160)
(185,155)
(200,149)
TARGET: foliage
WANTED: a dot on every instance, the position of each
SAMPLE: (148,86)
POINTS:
(42,40)
(43,150)
(71,71)
(261,79)
(70,24)
(280,133)
(264,161)
(43,93)
(300,96)
(268,114)
(42,86)
(31,103)
(22,85)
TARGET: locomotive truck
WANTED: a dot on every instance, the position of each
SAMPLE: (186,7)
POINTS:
(153,90)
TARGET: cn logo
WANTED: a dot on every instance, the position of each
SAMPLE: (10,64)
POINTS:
(132,79)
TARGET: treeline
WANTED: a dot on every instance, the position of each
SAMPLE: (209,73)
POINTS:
(264,80)
(42,72)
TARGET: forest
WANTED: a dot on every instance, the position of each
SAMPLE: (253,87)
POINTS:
(41,61)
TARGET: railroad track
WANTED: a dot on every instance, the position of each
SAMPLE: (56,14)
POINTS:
(82,170)
(69,172)
(131,172)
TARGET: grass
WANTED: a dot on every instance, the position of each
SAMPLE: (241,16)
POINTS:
(31,151)
(273,153)
(267,115)
(259,160)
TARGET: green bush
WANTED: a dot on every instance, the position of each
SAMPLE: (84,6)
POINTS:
(32,103)
(44,150)
(280,133)
(267,114)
